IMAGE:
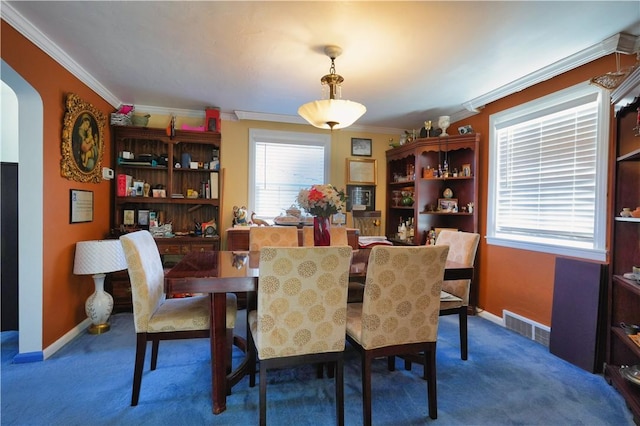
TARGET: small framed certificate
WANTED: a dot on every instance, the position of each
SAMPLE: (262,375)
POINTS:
(361,171)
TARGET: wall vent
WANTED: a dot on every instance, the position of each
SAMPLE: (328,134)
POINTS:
(526,327)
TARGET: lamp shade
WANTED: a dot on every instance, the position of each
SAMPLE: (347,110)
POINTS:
(99,257)
(324,113)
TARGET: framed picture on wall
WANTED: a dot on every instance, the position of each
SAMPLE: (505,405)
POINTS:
(82,141)
(361,147)
(81,206)
(361,197)
(361,171)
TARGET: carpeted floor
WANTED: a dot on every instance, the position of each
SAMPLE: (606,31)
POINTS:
(508,380)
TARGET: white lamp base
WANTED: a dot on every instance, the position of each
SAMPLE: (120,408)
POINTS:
(99,306)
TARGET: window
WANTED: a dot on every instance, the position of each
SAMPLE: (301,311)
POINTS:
(280,164)
(548,174)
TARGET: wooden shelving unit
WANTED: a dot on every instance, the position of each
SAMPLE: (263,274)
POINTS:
(624,294)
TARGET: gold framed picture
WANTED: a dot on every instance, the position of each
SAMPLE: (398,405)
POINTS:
(361,171)
(82,141)
(466,170)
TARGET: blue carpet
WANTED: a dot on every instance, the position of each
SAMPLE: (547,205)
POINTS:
(508,380)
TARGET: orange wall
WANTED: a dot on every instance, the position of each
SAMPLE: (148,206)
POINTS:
(517,280)
(64,294)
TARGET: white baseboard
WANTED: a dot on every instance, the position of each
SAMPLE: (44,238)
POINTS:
(71,334)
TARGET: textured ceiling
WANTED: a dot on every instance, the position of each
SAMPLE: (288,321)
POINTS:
(405,61)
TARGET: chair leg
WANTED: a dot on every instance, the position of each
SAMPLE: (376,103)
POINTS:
(229,356)
(407,365)
(141,348)
(263,394)
(253,359)
(463,333)
(430,375)
(366,389)
(339,365)
(154,353)
(391,363)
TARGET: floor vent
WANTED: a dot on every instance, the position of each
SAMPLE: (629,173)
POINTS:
(526,327)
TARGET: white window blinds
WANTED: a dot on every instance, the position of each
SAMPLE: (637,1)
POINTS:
(547,177)
(282,163)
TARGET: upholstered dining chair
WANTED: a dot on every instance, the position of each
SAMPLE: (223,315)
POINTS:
(338,236)
(399,312)
(157,317)
(272,236)
(301,313)
(455,293)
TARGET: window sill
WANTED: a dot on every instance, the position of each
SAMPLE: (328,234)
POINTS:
(581,253)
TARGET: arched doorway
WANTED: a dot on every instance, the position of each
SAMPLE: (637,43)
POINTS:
(30,118)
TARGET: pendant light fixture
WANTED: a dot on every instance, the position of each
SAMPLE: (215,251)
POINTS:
(332,112)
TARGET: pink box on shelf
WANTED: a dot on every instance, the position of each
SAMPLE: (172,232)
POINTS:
(193,128)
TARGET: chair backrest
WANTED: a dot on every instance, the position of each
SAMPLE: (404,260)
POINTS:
(338,236)
(401,302)
(146,274)
(302,300)
(462,248)
(272,236)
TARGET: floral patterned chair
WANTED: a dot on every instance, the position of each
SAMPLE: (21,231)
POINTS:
(301,314)
(399,312)
(338,236)
(272,236)
(455,293)
(156,317)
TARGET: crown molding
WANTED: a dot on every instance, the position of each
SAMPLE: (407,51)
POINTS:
(626,93)
(37,37)
(621,43)
(295,119)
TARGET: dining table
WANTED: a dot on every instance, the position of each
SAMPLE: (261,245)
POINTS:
(219,272)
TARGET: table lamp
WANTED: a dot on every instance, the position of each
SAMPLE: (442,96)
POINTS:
(97,258)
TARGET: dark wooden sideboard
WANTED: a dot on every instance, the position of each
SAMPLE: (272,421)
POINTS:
(238,238)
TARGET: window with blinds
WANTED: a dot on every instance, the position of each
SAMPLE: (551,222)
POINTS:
(548,174)
(282,163)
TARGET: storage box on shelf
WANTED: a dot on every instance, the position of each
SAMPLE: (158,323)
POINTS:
(624,293)
(176,181)
(411,177)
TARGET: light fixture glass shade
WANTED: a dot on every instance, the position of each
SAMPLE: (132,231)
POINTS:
(324,113)
(99,257)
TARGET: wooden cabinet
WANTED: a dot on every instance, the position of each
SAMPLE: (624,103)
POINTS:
(155,157)
(152,160)
(410,172)
(624,293)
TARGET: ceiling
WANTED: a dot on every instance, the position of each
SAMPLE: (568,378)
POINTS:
(405,61)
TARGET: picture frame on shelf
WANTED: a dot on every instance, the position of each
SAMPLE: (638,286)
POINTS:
(81,206)
(361,171)
(129,217)
(447,204)
(361,197)
(466,170)
(82,141)
(361,147)
(143,218)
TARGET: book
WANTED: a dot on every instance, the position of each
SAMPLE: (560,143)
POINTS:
(121,185)
(213,185)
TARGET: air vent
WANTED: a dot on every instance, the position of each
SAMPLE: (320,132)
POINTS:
(526,327)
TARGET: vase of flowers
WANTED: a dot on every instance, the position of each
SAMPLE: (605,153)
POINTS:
(321,201)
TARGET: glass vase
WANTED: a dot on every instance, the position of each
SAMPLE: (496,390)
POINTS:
(321,235)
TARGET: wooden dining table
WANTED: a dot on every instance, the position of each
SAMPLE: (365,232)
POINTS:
(221,272)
